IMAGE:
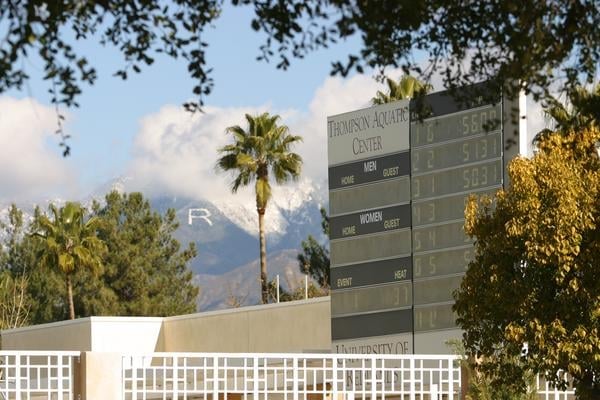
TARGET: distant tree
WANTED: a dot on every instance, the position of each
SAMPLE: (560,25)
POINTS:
(406,88)
(145,271)
(69,243)
(576,113)
(480,387)
(534,282)
(263,148)
(314,259)
(145,267)
(295,292)
(15,303)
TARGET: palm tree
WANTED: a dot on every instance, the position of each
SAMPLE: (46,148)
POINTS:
(262,149)
(69,242)
(406,88)
(580,110)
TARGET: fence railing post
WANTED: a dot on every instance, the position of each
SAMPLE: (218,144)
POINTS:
(255,378)
(18,376)
(215,377)
(411,375)
(295,377)
(373,377)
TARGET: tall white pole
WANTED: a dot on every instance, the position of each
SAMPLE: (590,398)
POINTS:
(306,268)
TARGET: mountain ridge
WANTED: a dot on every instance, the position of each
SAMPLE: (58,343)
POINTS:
(226,236)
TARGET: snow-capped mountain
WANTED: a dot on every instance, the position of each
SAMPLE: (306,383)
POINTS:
(226,236)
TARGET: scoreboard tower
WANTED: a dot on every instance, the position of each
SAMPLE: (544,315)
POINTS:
(397,190)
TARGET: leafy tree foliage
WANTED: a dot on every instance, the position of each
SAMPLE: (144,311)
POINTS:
(145,267)
(298,292)
(480,387)
(577,114)
(535,280)
(14,301)
(532,44)
(69,243)
(406,88)
(144,272)
(263,148)
(314,259)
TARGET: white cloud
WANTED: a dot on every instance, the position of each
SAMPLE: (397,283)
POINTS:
(31,164)
(175,152)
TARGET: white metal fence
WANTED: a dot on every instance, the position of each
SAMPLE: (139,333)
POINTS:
(290,376)
(37,374)
(52,375)
(547,392)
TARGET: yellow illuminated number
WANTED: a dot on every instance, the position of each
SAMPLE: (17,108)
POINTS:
(433,184)
(419,318)
(417,266)
(417,214)
(484,175)
(432,238)
(474,123)
(416,188)
(465,150)
(466,179)
(432,318)
(417,241)
(493,115)
(484,121)
(432,265)
(430,158)
(484,150)
(465,123)
(429,132)
(415,161)
(396,296)
(399,292)
(474,177)
(431,212)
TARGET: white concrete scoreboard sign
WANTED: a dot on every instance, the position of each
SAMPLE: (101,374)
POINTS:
(397,190)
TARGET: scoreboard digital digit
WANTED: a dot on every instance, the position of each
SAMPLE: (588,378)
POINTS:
(398,186)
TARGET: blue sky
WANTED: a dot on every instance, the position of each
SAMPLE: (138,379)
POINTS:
(136,128)
(105,126)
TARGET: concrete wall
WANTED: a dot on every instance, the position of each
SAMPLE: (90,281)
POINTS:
(299,326)
(127,334)
(65,335)
(435,342)
(111,334)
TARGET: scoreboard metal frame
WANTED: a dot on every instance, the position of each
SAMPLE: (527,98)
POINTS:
(398,185)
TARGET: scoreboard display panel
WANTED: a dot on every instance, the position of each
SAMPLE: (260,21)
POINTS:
(398,186)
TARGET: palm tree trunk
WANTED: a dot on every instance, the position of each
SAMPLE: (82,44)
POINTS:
(263,257)
(70,296)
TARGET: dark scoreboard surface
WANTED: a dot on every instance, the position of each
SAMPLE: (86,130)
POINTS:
(371,170)
(371,273)
(370,221)
(398,248)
